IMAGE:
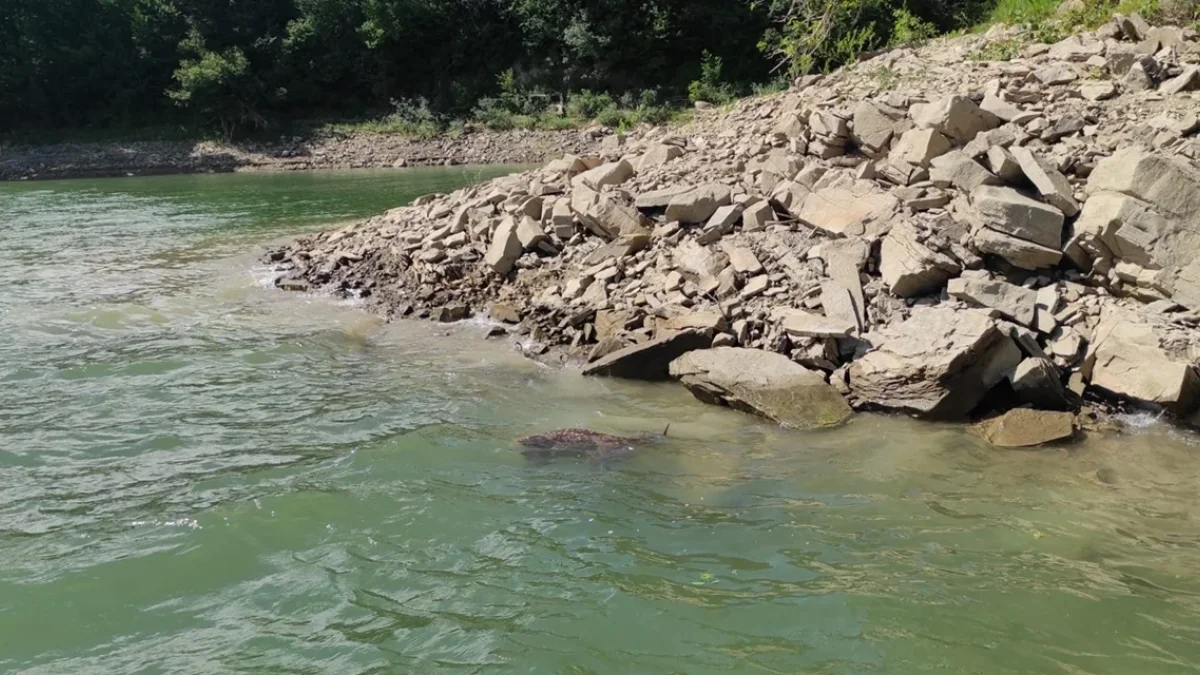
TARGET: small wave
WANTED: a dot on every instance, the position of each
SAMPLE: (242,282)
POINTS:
(1140,421)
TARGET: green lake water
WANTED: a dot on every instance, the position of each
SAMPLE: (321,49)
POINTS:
(201,474)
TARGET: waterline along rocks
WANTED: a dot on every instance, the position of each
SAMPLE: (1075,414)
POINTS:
(956,240)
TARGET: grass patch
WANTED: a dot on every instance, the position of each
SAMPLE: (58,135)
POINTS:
(1000,50)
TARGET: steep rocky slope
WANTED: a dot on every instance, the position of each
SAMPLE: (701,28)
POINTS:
(927,232)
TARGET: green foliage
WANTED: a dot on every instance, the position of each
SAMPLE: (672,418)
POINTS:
(220,87)
(910,29)
(999,50)
(587,104)
(711,86)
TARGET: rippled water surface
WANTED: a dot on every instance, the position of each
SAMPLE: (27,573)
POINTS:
(200,474)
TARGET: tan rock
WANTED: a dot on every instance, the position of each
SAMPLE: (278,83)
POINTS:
(911,269)
(939,364)
(505,248)
(762,383)
(1027,428)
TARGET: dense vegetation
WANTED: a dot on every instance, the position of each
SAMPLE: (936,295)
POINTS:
(254,64)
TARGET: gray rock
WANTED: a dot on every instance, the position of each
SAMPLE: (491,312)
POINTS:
(613,173)
(505,248)
(743,259)
(1012,302)
(800,324)
(957,117)
(908,267)
(658,155)
(649,360)
(1129,360)
(847,210)
(761,383)
(530,233)
(873,129)
(1010,212)
(1053,186)
(1036,381)
(603,216)
(698,204)
(757,215)
(1101,90)
(698,260)
(957,169)
(919,146)
(1188,80)
(1019,252)
(939,364)
(1055,73)
(1004,165)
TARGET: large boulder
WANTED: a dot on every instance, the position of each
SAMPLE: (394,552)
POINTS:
(1005,210)
(603,216)
(847,210)
(505,248)
(955,116)
(613,173)
(650,360)
(909,268)
(1049,181)
(1144,209)
(1027,428)
(687,205)
(1131,357)
(762,383)
(873,128)
(939,364)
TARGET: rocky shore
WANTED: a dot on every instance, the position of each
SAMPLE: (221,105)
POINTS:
(1011,243)
(354,151)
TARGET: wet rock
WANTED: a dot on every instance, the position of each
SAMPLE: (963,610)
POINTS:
(649,360)
(939,364)
(1128,358)
(452,313)
(1027,428)
(761,383)
(1036,381)
(504,312)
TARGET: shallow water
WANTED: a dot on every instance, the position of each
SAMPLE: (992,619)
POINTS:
(200,474)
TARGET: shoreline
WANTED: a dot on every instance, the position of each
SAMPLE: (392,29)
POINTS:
(947,249)
(334,152)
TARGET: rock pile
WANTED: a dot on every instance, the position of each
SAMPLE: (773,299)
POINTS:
(921,232)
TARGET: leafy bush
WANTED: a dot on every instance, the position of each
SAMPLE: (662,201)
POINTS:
(910,29)
(586,104)
(710,87)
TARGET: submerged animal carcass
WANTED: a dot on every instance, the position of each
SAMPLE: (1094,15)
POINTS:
(582,443)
